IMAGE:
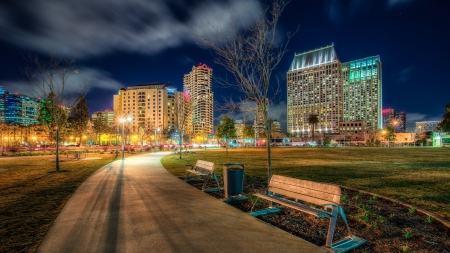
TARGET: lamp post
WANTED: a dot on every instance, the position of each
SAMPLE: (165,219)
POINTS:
(122,120)
(154,140)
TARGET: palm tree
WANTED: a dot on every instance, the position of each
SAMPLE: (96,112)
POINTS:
(313,119)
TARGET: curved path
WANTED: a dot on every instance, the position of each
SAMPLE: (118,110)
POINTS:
(137,206)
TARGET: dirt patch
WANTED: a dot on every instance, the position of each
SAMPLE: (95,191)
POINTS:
(386,225)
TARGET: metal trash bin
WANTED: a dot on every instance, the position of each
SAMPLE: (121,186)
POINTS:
(233,181)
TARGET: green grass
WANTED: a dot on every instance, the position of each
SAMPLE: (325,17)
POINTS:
(419,176)
(32,195)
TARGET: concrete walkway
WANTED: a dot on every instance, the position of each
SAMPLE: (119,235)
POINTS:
(137,206)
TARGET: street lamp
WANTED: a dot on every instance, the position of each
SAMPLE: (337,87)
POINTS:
(154,140)
(123,120)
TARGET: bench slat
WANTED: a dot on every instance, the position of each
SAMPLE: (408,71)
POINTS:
(197,172)
(297,206)
(317,193)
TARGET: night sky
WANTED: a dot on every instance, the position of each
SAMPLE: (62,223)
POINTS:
(120,43)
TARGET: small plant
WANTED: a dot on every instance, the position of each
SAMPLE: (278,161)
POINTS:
(381,218)
(344,199)
(392,215)
(373,200)
(411,210)
(428,219)
(364,213)
(404,248)
(407,235)
(375,225)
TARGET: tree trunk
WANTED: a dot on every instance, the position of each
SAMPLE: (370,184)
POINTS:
(313,130)
(181,143)
(57,149)
(269,154)
(226,145)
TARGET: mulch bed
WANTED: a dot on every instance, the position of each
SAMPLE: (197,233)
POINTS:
(387,226)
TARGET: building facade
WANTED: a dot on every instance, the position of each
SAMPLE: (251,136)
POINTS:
(318,83)
(427,126)
(361,83)
(314,86)
(151,105)
(388,116)
(395,120)
(18,109)
(199,87)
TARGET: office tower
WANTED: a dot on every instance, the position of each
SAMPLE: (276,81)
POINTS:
(318,83)
(198,85)
(361,83)
(395,120)
(151,105)
(18,109)
(400,122)
(314,86)
(389,116)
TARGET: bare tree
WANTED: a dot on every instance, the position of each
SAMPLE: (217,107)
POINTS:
(53,82)
(251,55)
(183,116)
(145,130)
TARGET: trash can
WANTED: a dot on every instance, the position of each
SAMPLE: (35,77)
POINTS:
(233,180)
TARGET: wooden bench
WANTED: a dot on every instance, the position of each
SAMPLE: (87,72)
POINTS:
(288,191)
(204,170)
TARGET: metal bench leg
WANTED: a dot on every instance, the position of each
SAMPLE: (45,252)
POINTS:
(206,181)
(333,219)
(217,180)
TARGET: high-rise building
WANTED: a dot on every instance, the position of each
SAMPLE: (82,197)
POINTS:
(198,84)
(388,116)
(400,122)
(395,120)
(151,104)
(18,109)
(318,83)
(361,81)
(314,86)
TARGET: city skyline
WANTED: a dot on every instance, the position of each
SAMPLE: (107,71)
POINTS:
(405,34)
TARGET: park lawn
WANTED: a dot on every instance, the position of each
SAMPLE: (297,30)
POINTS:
(419,176)
(32,194)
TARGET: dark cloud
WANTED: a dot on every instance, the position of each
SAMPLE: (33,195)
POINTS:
(83,28)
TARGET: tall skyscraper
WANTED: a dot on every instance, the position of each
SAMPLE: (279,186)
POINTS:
(388,115)
(395,120)
(361,81)
(318,83)
(198,84)
(314,87)
(400,125)
(150,104)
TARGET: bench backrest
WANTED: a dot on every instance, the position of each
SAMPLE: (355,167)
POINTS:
(308,191)
(204,165)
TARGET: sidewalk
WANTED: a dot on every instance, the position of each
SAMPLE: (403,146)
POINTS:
(137,206)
